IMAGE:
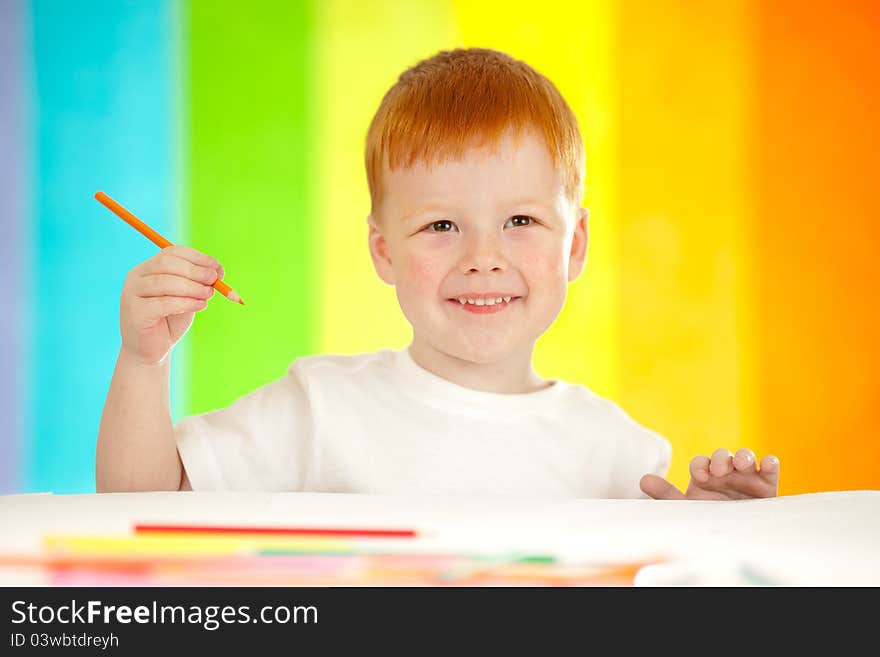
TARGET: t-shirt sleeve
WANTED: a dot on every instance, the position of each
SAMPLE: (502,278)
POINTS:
(640,451)
(260,442)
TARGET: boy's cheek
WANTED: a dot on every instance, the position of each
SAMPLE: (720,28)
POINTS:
(421,271)
(538,252)
(542,265)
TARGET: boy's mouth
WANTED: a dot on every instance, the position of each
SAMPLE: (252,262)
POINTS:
(484,304)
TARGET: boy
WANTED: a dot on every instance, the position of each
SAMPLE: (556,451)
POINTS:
(476,172)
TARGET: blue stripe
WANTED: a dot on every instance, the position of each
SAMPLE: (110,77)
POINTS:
(11,208)
(104,98)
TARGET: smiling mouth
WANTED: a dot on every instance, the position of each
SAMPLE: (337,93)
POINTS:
(481,306)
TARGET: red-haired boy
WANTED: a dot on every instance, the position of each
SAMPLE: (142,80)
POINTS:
(475,166)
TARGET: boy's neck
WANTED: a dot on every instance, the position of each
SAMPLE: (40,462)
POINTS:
(511,376)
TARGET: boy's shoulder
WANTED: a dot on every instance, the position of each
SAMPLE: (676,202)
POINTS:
(582,402)
(343,363)
(580,396)
(335,372)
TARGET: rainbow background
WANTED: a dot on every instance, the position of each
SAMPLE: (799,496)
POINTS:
(733,163)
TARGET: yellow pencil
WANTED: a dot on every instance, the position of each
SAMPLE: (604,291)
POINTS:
(93,546)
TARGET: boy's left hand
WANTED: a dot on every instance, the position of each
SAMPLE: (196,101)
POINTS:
(723,477)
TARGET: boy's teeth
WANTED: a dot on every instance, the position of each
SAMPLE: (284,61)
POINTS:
(483,302)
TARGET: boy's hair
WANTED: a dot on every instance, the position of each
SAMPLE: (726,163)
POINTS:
(466,98)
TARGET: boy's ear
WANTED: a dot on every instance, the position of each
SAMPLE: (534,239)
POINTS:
(379,252)
(578,256)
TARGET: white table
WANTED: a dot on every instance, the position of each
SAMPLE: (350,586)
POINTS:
(821,539)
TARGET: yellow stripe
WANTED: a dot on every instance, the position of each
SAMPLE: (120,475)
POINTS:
(684,78)
(572,45)
(364,48)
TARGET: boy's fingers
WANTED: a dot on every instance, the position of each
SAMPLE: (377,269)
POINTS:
(659,488)
(197,258)
(722,462)
(744,461)
(770,466)
(157,308)
(162,285)
(700,468)
(166,262)
(193,256)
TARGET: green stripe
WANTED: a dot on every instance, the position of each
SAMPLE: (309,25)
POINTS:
(249,193)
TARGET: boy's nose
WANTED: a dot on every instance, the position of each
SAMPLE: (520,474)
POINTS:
(483,255)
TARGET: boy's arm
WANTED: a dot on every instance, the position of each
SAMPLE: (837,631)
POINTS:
(136,449)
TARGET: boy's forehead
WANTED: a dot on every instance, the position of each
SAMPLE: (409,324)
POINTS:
(507,171)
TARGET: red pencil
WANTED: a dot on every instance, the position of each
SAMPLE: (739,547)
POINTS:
(277,531)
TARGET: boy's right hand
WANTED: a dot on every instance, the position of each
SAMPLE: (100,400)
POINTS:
(160,298)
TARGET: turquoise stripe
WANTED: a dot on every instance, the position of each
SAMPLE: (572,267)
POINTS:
(104,99)
(12,300)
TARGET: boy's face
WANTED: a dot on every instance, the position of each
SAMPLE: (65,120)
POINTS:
(492,225)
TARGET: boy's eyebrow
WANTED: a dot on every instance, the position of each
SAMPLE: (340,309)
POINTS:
(424,209)
(442,207)
(529,201)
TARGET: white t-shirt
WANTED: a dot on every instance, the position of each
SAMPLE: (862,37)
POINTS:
(380,423)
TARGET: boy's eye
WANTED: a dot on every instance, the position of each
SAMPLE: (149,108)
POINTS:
(442,226)
(520,220)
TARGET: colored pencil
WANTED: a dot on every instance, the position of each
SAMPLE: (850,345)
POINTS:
(180,545)
(157,239)
(284,531)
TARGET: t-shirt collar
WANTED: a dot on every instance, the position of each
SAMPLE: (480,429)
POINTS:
(436,390)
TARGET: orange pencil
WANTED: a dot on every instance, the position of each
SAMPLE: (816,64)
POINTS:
(157,239)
